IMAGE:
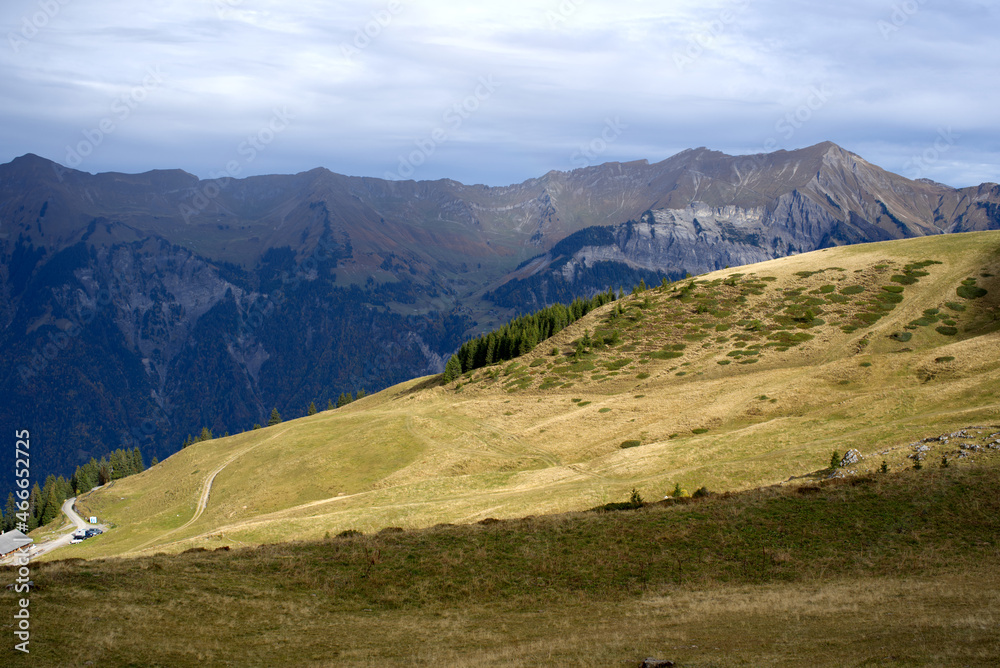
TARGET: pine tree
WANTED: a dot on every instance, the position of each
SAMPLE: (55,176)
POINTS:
(50,510)
(312,408)
(344,399)
(34,507)
(154,461)
(275,418)
(138,466)
(329,405)
(255,426)
(10,513)
(453,369)
(361,394)
(206,434)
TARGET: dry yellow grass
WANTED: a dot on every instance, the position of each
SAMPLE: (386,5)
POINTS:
(418,454)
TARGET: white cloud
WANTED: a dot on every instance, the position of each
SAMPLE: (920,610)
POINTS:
(722,73)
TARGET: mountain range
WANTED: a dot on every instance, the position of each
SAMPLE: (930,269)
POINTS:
(140,308)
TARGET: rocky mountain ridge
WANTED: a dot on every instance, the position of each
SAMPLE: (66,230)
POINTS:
(138,308)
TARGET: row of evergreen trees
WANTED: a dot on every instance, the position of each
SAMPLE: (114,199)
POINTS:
(115,465)
(45,502)
(521,335)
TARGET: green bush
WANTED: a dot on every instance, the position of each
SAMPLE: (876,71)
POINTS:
(665,355)
(902,337)
(852,290)
(700,430)
(946,331)
(970,292)
(630,444)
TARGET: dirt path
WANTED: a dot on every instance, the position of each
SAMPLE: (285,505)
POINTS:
(206,491)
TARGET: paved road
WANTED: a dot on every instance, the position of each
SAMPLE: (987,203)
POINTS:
(44,547)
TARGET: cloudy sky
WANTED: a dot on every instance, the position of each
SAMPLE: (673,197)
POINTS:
(496,92)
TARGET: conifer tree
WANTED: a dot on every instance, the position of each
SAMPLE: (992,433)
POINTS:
(275,418)
(312,408)
(206,434)
(360,394)
(329,405)
(10,512)
(453,369)
(154,461)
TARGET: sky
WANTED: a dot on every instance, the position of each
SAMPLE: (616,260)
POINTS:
(496,92)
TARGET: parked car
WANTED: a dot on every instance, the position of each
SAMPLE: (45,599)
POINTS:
(92,532)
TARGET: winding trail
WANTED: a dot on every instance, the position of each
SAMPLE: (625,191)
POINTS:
(206,491)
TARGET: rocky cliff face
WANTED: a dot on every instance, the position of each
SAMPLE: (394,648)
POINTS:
(137,309)
(724,211)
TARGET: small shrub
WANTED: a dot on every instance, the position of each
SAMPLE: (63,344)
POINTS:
(635,499)
(944,461)
(970,292)
(902,337)
(604,410)
(852,290)
(946,331)
(630,444)
(701,493)
(955,306)
(835,460)
(700,430)
(642,376)
(905,279)
(917,465)
(350,533)
(941,360)
(884,468)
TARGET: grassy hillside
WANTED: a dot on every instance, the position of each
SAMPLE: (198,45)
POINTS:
(896,569)
(740,378)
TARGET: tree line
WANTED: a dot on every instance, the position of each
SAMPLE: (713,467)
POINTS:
(45,502)
(521,335)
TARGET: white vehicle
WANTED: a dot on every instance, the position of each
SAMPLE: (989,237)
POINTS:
(78,537)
